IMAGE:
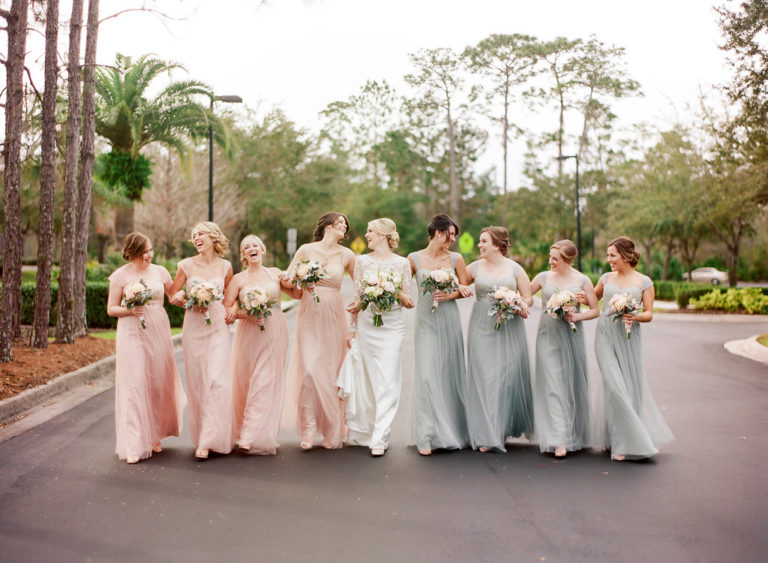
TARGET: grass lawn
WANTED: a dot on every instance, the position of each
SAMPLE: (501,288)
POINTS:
(763,339)
(110,334)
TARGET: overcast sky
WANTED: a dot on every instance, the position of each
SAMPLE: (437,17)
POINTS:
(301,55)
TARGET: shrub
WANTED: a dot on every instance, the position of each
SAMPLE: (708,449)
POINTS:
(96,293)
(749,299)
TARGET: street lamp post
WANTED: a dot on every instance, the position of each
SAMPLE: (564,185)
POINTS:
(578,208)
(229,100)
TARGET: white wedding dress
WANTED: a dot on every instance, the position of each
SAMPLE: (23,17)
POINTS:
(370,378)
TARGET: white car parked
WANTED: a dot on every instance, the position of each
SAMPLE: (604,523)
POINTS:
(707,275)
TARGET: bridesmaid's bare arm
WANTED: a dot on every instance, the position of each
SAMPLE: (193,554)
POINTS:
(114,309)
(176,295)
(464,280)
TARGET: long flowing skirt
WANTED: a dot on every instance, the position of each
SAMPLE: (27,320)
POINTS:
(438,420)
(499,399)
(319,347)
(562,388)
(207,353)
(370,379)
(258,368)
(149,398)
(633,424)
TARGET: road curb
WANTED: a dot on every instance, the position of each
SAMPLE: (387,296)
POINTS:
(44,395)
(748,348)
(705,318)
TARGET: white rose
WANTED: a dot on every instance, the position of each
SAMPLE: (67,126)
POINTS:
(389,287)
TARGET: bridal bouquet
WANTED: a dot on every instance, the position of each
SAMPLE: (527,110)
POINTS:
(441,279)
(380,290)
(622,304)
(306,274)
(202,295)
(257,303)
(505,303)
(136,294)
(559,304)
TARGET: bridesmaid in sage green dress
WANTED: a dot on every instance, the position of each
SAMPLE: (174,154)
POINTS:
(438,420)
(635,428)
(499,401)
(562,388)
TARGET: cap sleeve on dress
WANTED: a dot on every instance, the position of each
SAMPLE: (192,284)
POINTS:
(603,278)
(454,258)
(184,266)
(646,282)
(516,269)
(473,268)
(165,276)
(117,277)
(414,257)
(583,281)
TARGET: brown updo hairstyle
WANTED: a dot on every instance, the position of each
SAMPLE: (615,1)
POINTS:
(247,240)
(626,248)
(327,220)
(386,227)
(566,248)
(220,241)
(134,245)
(441,223)
(499,238)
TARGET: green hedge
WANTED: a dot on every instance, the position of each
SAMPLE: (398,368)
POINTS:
(752,300)
(681,292)
(96,293)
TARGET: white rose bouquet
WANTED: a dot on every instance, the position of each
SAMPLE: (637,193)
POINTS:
(136,294)
(202,295)
(622,304)
(306,274)
(561,303)
(380,290)
(441,279)
(505,303)
(257,303)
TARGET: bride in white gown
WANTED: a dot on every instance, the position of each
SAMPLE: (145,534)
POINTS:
(370,378)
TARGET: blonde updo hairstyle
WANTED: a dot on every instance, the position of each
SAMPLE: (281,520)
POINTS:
(134,245)
(247,240)
(567,250)
(220,241)
(626,248)
(499,238)
(386,227)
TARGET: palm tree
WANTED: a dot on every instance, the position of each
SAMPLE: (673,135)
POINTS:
(130,120)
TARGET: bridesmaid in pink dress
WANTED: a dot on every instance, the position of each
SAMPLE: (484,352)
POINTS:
(149,399)
(207,349)
(320,341)
(258,355)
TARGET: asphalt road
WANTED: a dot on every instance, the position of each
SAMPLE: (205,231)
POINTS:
(64,496)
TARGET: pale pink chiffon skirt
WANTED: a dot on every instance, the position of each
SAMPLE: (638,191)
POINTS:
(149,398)
(258,367)
(318,351)
(207,354)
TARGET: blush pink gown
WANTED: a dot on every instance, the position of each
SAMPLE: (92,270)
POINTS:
(258,367)
(207,351)
(149,399)
(316,357)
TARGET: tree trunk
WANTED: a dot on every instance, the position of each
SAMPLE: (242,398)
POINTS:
(124,222)
(47,181)
(454,187)
(667,258)
(86,167)
(10,309)
(65,326)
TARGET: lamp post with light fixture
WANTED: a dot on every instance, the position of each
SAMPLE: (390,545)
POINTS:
(229,100)
(578,208)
